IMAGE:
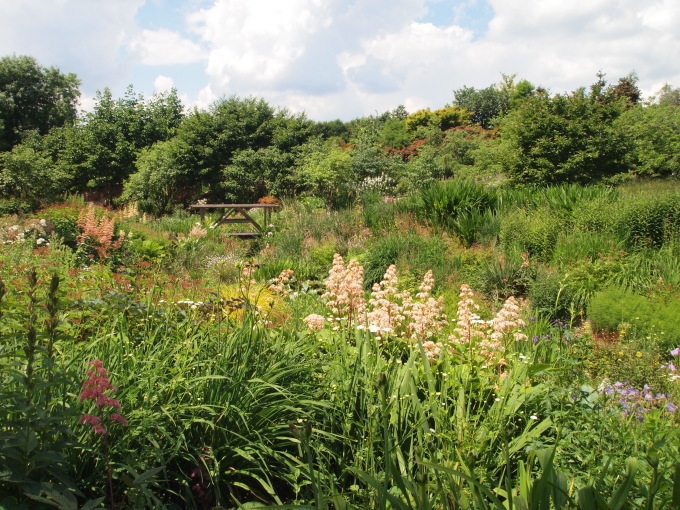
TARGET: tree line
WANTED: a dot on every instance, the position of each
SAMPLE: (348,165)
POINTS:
(161,155)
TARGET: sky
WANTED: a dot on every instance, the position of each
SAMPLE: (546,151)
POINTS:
(343,58)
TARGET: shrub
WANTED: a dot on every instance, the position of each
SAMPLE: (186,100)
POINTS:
(445,201)
(533,232)
(411,252)
(549,297)
(648,221)
(615,308)
(15,206)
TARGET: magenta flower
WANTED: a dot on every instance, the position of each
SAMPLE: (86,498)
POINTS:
(94,388)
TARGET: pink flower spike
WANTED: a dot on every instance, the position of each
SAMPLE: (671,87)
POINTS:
(99,430)
(117,417)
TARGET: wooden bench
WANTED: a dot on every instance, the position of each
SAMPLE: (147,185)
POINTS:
(239,213)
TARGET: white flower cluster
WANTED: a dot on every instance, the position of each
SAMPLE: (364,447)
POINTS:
(20,233)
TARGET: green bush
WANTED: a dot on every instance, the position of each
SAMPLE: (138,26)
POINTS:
(15,206)
(648,221)
(445,201)
(533,232)
(410,252)
(596,215)
(548,297)
(576,245)
(615,308)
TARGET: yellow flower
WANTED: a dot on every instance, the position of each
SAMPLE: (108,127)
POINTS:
(638,354)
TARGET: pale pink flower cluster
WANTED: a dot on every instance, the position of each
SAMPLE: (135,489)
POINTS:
(314,321)
(198,231)
(469,325)
(386,314)
(426,316)
(345,290)
(508,321)
(399,313)
(279,284)
(247,281)
(389,310)
(490,338)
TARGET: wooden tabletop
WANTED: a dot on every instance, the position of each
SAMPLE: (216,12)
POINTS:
(235,206)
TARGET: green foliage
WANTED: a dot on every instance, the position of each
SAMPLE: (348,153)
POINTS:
(615,308)
(648,221)
(31,176)
(653,132)
(506,276)
(443,119)
(534,232)
(15,206)
(156,184)
(485,105)
(411,252)
(395,133)
(326,170)
(106,146)
(36,436)
(463,207)
(565,138)
(33,99)
(668,96)
(549,297)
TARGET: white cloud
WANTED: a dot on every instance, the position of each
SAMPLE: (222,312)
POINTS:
(164,47)
(347,58)
(163,83)
(78,36)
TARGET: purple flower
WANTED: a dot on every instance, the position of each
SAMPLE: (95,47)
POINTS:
(676,351)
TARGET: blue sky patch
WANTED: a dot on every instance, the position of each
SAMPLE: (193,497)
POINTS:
(471,14)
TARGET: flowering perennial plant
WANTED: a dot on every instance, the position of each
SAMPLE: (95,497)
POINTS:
(389,311)
(94,388)
(489,338)
(420,317)
(345,295)
(100,231)
(18,233)
(636,403)
(280,283)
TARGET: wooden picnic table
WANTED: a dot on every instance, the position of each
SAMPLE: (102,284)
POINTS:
(239,213)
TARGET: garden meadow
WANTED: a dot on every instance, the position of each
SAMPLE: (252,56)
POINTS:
(459,347)
(467,308)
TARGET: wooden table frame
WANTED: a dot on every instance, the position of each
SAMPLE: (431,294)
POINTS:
(239,213)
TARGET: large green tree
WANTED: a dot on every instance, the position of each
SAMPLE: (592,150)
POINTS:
(652,134)
(564,138)
(33,99)
(237,150)
(102,150)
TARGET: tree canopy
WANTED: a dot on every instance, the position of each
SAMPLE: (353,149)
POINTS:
(34,99)
(241,149)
